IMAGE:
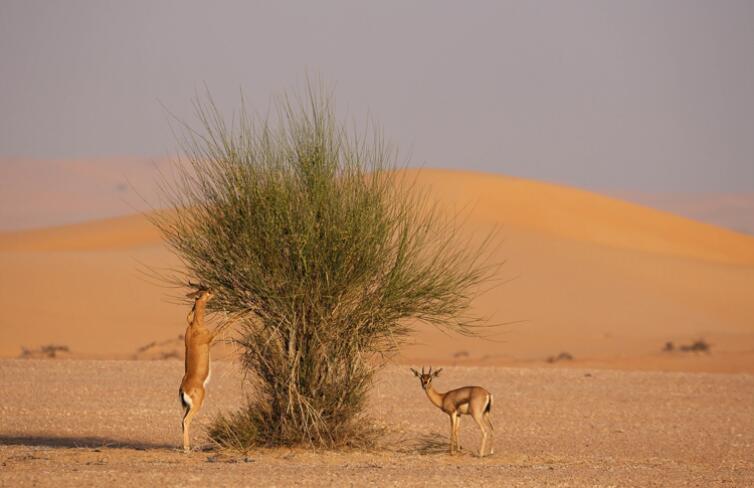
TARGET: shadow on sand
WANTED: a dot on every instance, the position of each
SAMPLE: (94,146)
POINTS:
(83,441)
(427,444)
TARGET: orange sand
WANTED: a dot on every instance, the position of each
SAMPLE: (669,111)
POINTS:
(607,281)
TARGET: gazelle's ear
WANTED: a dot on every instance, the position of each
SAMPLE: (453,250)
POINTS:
(437,373)
(193,294)
(416,373)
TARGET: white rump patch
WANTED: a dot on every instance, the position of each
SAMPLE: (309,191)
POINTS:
(187,399)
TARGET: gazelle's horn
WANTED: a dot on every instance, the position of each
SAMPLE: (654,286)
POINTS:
(430,370)
(422,369)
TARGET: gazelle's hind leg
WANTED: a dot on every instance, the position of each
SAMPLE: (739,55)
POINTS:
(488,421)
(185,405)
(478,418)
(192,402)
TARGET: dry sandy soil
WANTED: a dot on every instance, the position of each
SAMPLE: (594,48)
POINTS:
(66,423)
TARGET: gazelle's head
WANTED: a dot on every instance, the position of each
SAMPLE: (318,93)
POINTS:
(426,378)
(201,292)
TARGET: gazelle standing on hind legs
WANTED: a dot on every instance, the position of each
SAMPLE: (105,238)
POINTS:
(198,342)
(467,400)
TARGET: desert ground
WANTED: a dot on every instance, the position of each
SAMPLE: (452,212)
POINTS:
(65,423)
(595,284)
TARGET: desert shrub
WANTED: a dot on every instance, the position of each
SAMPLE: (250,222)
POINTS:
(697,346)
(49,351)
(326,253)
(563,356)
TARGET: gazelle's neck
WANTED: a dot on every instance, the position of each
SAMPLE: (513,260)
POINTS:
(198,319)
(434,396)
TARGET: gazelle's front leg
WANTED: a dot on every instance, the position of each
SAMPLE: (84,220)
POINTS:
(452,433)
(458,433)
(451,444)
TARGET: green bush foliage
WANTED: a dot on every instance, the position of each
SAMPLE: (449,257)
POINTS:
(325,251)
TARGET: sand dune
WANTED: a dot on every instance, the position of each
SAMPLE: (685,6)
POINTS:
(122,233)
(730,210)
(42,193)
(603,279)
(569,213)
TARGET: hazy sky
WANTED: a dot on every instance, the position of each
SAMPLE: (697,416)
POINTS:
(634,95)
